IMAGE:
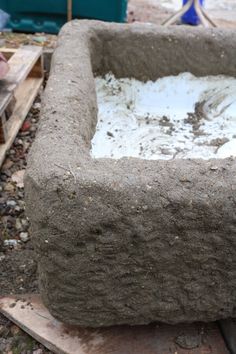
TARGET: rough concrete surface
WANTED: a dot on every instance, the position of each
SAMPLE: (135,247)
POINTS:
(129,241)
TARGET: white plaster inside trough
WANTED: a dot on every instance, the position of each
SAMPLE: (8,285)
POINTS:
(175,117)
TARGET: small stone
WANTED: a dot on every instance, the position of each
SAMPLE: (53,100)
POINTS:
(17,208)
(7,173)
(11,203)
(3,332)
(110,134)
(18,224)
(38,351)
(37,105)
(25,223)
(7,164)
(15,330)
(39,39)
(19,142)
(2,200)
(26,145)
(2,256)
(20,194)
(25,127)
(18,178)
(21,204)
(166,151)
(188,341)
(3,178)
(13,304)
(9,188)
(24,236)
(33,129)
(10,243)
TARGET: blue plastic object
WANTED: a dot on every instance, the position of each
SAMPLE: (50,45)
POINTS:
(4,18)
(191,17)
(50,15)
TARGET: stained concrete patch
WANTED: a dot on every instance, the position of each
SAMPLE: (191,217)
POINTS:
(129,241)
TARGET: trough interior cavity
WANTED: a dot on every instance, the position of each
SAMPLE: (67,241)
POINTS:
(173,117)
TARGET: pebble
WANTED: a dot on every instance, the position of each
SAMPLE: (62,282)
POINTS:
(3,178)
(2,256)
(25,223)
(7,173)
(33,129)
(9,187)
(21,194)
(11,203)
(18,224)
(38,351)
(37,105)
(10,243)
(15,330)
(7,164)
(24,236)
(19,142)
(21,204)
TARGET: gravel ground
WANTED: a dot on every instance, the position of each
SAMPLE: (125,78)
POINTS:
(18,270)
(14,225)
(14,341)
(14,40)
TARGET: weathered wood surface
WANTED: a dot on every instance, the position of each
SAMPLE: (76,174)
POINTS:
(29,313)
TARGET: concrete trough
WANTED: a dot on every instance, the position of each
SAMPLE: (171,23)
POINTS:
(129,240)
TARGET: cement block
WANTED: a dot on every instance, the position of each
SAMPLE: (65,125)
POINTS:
(129,241)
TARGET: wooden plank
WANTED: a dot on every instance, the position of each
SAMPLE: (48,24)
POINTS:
(228,328)
(8,52)
(3,128)
(30,314)
(69,10)
(47,56)
(25,96)
(4,118)
(21,64)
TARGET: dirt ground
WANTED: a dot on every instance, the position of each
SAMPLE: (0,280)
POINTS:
(18,267)
(223,12)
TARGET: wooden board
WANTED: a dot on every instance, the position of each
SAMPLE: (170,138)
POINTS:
(29,313)
(8,52)
(47,56)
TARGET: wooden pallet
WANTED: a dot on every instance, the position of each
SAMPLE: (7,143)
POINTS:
(18,91)
(30,314)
